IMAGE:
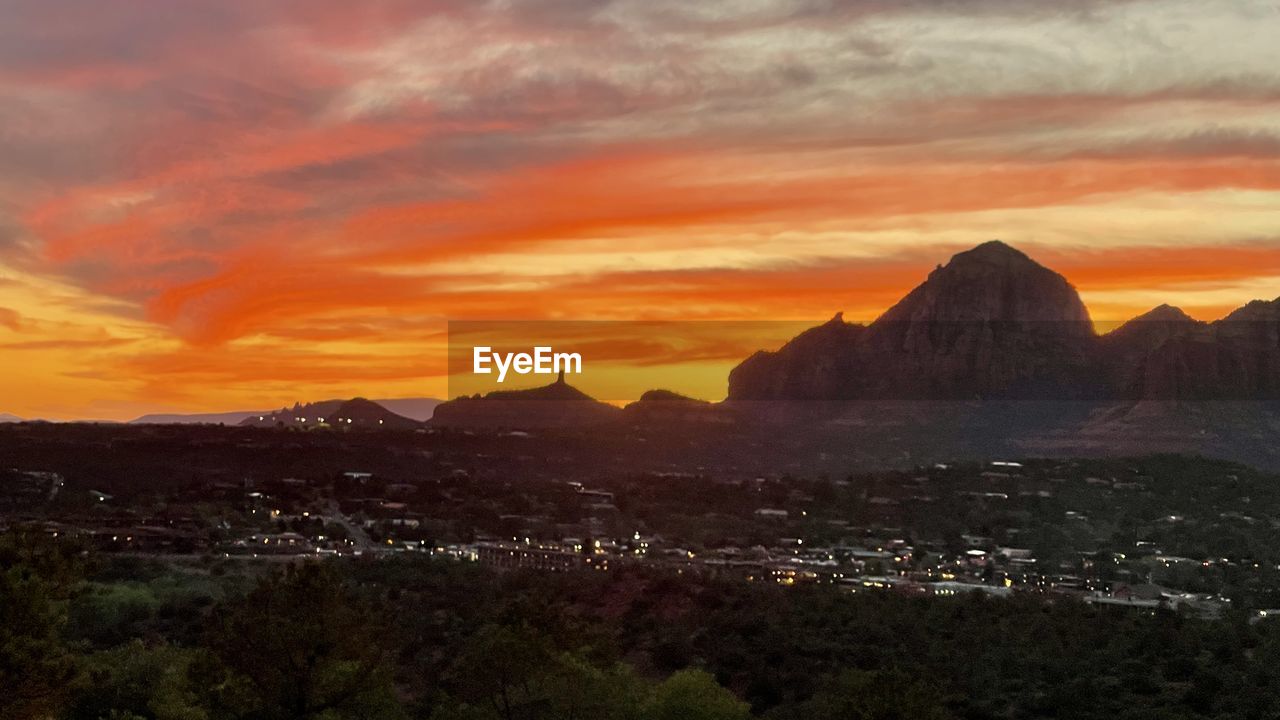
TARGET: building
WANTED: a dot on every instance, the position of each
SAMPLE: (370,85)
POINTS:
(555,558)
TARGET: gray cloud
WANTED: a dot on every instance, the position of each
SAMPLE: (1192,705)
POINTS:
(163,98)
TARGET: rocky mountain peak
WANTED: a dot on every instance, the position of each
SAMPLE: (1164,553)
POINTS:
(1164,313)
(991,322)
(993,282)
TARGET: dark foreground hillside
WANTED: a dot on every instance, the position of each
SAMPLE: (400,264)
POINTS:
(94,637)
(167,573)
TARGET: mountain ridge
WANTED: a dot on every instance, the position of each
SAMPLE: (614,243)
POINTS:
(993,323)
(357,413)
(419,409)
(558,404)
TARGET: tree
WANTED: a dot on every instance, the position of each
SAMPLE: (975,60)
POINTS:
(860,695)
(136,681)
(35,666)
(578,690)
(513,673)
(300,646)
(694,695)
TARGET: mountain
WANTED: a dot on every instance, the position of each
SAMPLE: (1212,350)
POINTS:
(994,282)
(994,355)
(1136,354)
(664,406)
(990,323)
(1152,329)
(812,366)
(1165,355)
(556,405)
(419,409)
(357,413)
(993,324)
(7,418)
(226,418)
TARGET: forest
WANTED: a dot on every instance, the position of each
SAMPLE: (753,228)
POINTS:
(91,637)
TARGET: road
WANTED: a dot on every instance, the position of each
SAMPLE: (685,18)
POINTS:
(362,541)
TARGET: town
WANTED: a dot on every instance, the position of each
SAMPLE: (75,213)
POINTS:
(1145,533)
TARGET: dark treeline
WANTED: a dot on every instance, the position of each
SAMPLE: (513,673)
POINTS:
(86,637)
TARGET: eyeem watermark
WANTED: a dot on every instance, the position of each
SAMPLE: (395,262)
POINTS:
(543,361)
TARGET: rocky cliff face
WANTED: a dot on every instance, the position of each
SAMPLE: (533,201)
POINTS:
(994,324)
(1165,355)
(991,323)
(812,366)
(1250,355)
(1138,357)
(993,283)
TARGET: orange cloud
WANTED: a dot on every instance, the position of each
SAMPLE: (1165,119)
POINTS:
(615,196)
(1165,267)
(10,319)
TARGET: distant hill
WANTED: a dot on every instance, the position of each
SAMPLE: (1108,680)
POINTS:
(556,405)
(419,409)
(7,418)
(226,418)
(357,413)
(664,406)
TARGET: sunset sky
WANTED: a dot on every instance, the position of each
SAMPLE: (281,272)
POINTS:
(236,204)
